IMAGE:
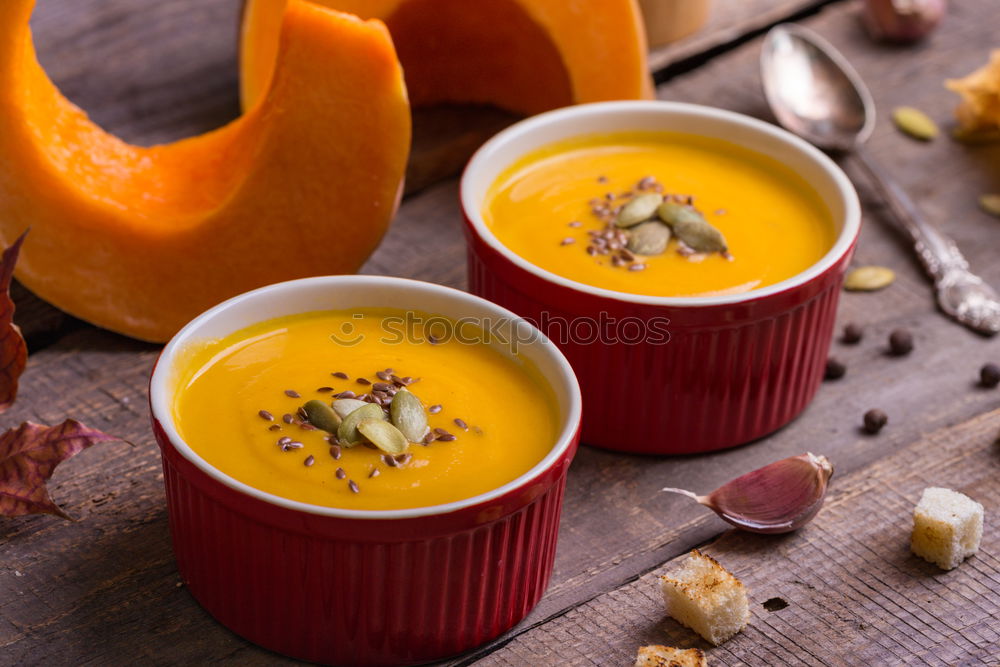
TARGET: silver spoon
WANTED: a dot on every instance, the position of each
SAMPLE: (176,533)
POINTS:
(815,93)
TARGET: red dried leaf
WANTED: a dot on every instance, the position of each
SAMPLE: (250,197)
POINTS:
(13,351)
(29,455)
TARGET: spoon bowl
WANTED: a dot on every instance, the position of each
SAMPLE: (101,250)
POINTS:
(813,90)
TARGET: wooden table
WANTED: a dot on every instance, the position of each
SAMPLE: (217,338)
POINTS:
(104,589)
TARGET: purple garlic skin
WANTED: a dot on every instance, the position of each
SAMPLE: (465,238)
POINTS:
(778,498)
(902,21)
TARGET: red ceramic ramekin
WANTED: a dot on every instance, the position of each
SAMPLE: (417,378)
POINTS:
(732,368)
(356,587)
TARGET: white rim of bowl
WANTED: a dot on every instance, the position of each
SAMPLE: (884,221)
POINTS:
(159,393)
(485,154)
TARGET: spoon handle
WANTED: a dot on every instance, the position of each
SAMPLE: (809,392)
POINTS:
(937,252)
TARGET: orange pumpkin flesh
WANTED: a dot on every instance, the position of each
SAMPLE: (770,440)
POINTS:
(525,56)
(140,240)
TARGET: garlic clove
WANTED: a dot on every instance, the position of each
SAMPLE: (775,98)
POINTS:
(778,498)
(902,20)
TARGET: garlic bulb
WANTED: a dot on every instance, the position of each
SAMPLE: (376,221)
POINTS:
(902,20)
(778,498)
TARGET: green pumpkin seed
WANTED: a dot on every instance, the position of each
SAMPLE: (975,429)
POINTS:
(649,238)
(691,227)
(869,278)
(991,204)
(384,435)
(915,123)
(640,209)
(347,432)
(345,406)
(322,415)
(408,415)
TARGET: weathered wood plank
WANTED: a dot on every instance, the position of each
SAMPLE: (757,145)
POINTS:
(855,593)
(728,21)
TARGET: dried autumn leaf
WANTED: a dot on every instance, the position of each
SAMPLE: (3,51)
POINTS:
(979,111)
(29,455)
(13,351)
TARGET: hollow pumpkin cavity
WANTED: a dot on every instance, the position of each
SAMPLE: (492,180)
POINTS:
(524,56)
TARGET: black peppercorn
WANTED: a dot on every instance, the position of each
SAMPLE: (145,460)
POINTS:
(900,342)
(852,333)
(835,369)
(989,375)
(875,420)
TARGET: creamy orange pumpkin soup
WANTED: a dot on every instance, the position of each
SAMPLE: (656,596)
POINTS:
(662,214)
(364,409)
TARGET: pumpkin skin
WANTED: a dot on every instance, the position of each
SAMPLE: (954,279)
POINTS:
(525,56)
(140,240)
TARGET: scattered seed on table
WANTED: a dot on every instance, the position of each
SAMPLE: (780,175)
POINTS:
(429,438)
(284,440)
(346,394)
(835,369)
(309,461)
(434,409)
(461,424)
(273,427)
(335,451)
(638,266)
(575,223)
(989,375)
(447,437)
(294,444)
(324,390)
(305,426)
(403,459)
(374,473)
(389,461)
(340,374)
(340,473)
(569,240)
(900,342)
(353,486)
(291,393)
(265,415)
(287,418)
(853,333)
(875,420)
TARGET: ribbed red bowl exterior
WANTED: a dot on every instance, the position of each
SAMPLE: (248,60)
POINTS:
(357,591)
(727,375)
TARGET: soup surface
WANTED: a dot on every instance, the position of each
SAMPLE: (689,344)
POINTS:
(549,206)
(238,399)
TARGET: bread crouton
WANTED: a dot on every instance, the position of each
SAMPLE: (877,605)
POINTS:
(705,597)
(668,656)
(947,527)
